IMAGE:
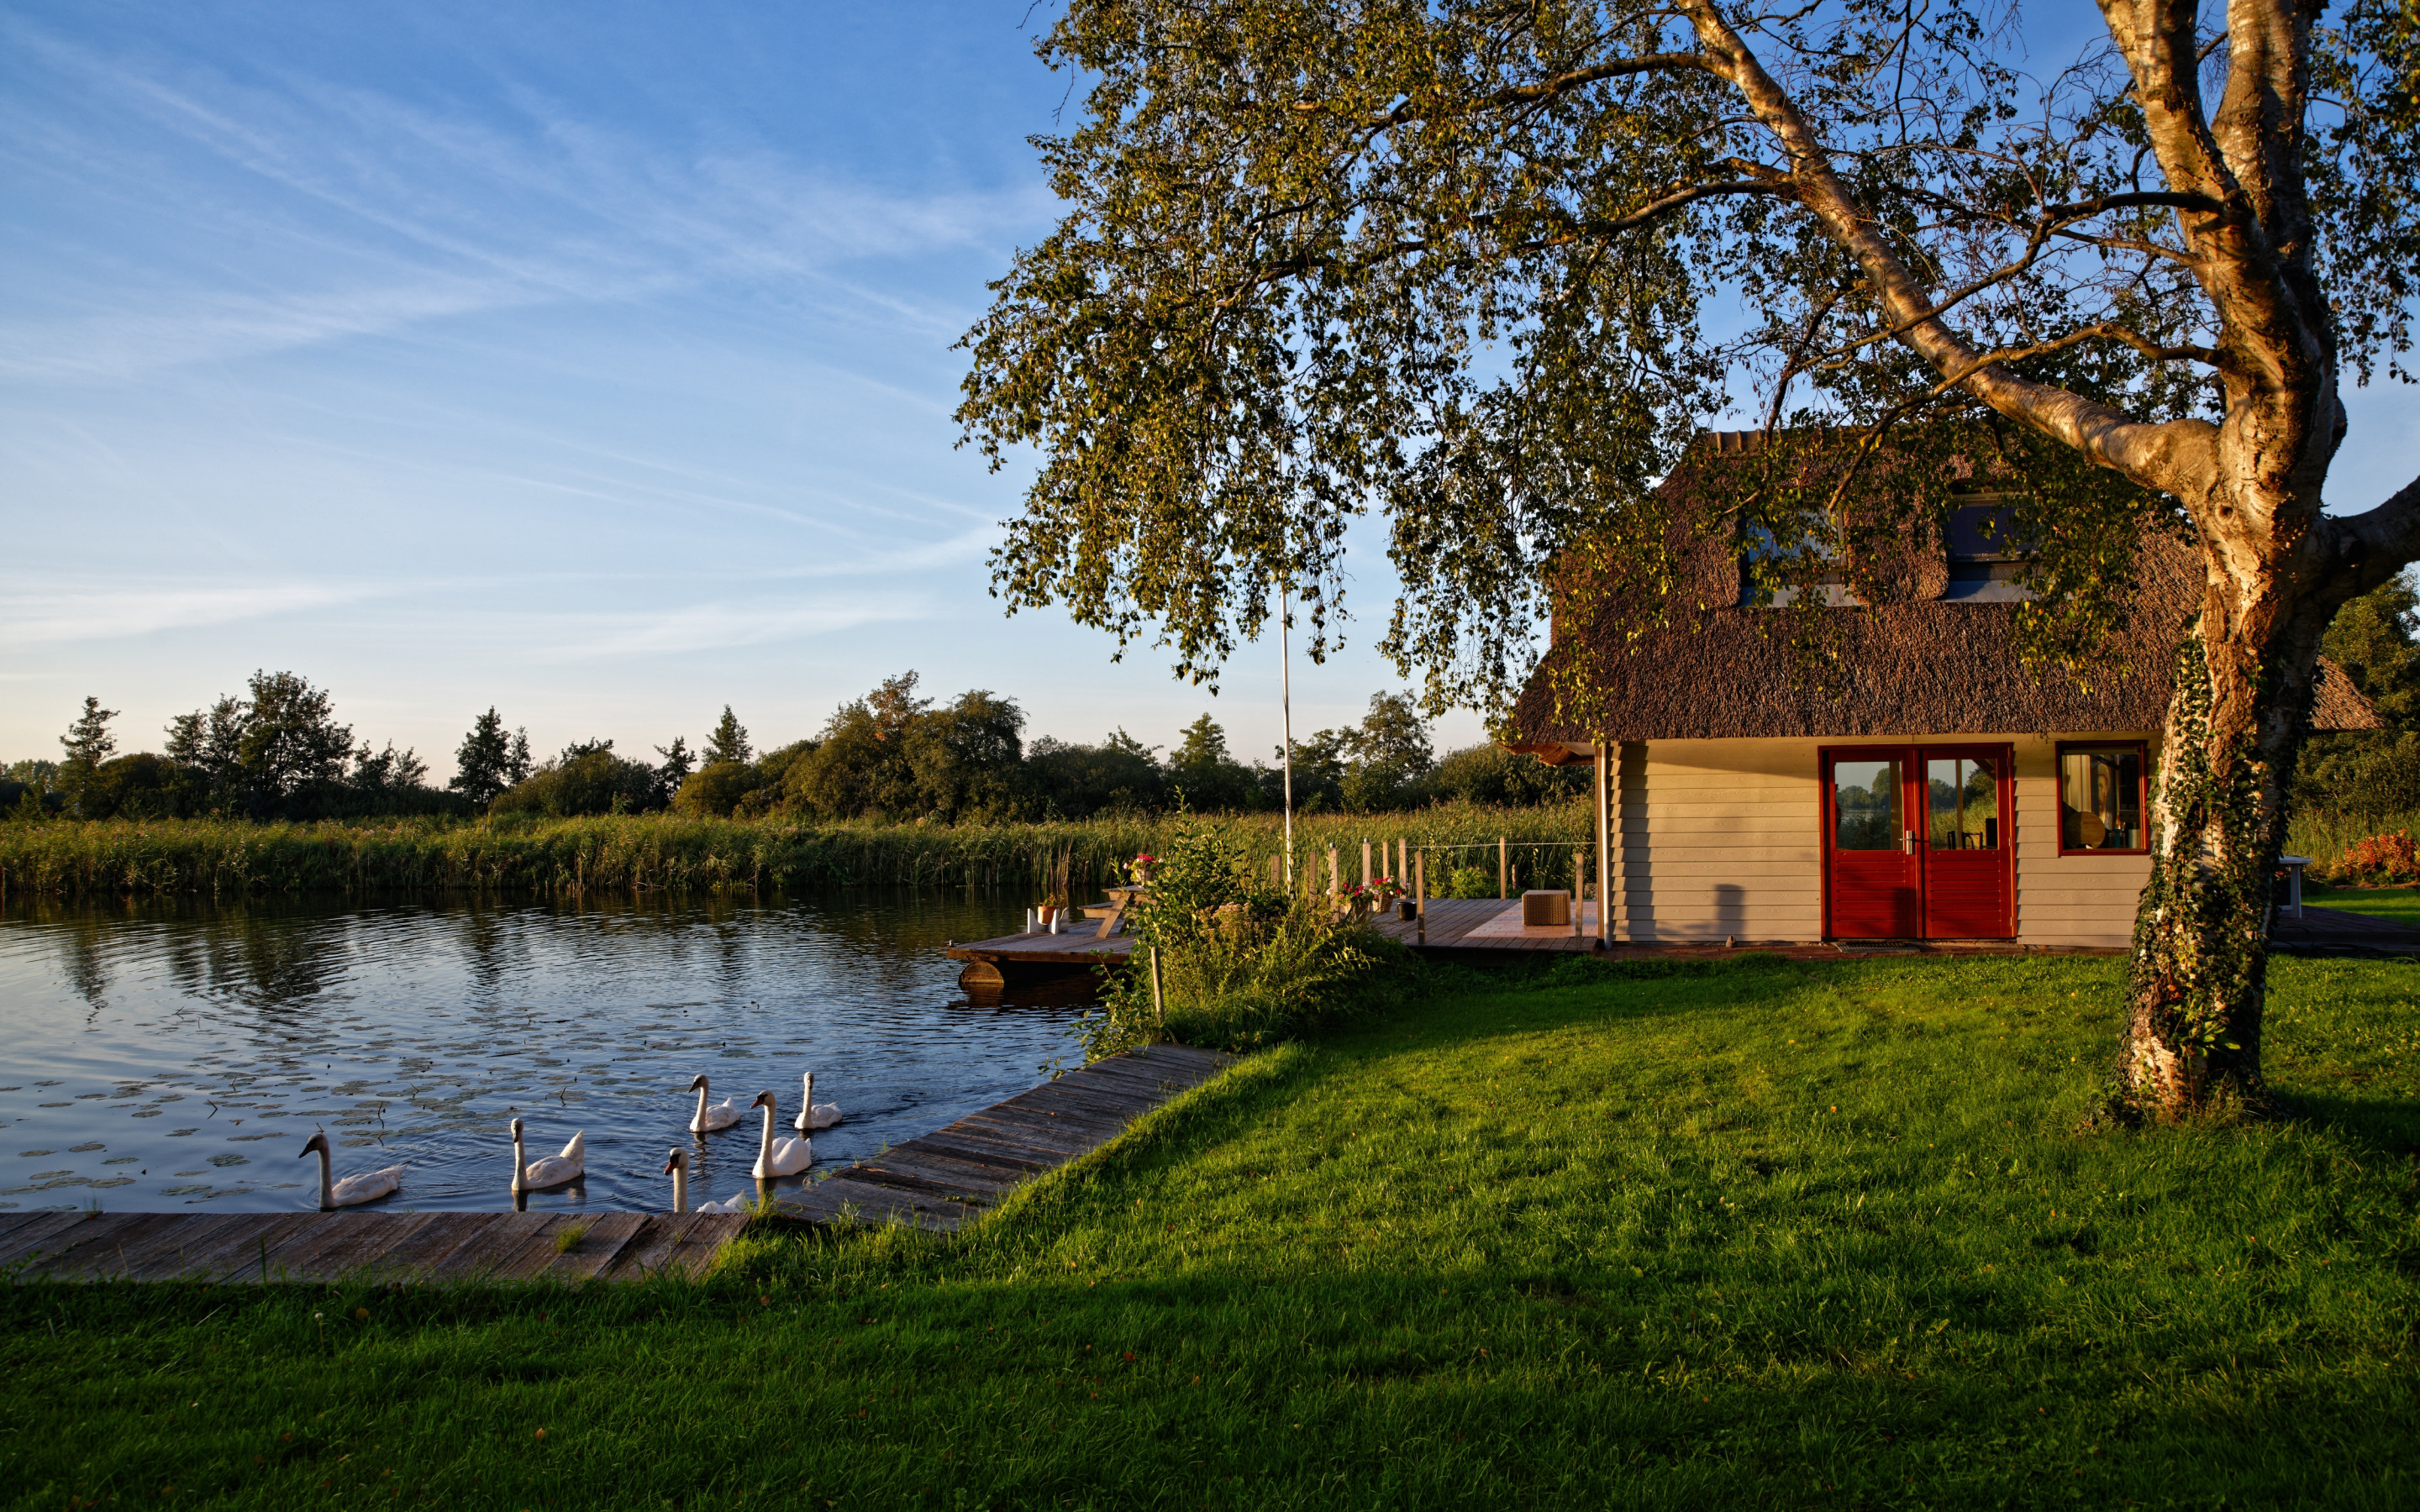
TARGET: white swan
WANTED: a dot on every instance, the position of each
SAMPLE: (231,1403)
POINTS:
(353,1189)
(721,1116)
(676,1166)
(788,1158)
(547,1170)
(736,1202)
(812,1114)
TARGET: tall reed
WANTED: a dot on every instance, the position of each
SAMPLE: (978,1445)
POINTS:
(650,851)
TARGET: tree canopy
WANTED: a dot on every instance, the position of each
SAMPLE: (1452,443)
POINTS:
(1486,268)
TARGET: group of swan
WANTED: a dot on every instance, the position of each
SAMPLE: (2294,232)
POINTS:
(774,1159)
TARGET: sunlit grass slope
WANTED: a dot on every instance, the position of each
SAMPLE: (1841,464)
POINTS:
(1760,1235)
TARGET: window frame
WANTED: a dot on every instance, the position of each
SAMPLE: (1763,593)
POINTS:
(2142,797)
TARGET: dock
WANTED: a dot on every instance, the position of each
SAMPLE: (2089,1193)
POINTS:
(422,1248)
(1477,929)
(953,1174)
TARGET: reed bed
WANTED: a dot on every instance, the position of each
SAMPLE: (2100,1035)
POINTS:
(661,852)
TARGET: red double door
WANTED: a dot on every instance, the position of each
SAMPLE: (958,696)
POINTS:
(1918,843)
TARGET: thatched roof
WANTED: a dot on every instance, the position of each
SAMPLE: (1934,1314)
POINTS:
(1920,665)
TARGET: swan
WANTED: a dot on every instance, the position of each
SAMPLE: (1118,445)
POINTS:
(353,1189)
(812,1114)
(547,1170)
(676,1166)
(720,1115)
(788,1158)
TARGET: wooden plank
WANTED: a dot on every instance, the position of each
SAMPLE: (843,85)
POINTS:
(1051,1129)
(1100,1101)
(495,1236)
(1038,1134)
(164,1257)
(417,1255)
(104,1255)
(596,1250)
(958,1139)
(357,1240)
(990,1168)
(1071,1108)
(702,1241)
(27,1232)
(70,1251)
(535,1252)
(869,1204)
(934,1175)
(650,1250)
(235,1257)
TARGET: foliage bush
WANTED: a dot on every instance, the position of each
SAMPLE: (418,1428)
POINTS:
(2378,861)
(1240,963)
(1469,882)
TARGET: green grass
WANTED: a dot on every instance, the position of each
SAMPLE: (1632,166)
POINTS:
(652,852)
(1759,1234)
(2401,905)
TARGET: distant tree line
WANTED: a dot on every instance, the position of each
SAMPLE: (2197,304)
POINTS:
(279,753)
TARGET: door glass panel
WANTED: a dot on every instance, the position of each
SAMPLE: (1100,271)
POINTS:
(1866,798)
(1964,793)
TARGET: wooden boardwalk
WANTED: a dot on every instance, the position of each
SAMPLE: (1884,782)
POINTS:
(429,1248)
(952,1174)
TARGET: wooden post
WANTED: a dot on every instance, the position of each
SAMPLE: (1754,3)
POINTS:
(1579,888)
(1366,873)
(1273,872)
(1420,882)
(1158,1003)
(1603,843)
(1335,881)
(1503,869)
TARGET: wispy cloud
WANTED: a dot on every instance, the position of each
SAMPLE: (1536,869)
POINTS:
(721,626)
(368,214)
(115,613)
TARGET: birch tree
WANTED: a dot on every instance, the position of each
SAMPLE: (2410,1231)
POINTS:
(1483,268)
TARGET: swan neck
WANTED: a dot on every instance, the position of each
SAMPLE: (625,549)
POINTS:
(764,1148)
(521,1162)
(699,1121)
(327,1180)
(681,1187)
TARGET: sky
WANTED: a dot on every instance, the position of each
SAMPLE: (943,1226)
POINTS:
(591,361)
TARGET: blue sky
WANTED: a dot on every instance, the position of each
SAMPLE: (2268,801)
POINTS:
(591,361)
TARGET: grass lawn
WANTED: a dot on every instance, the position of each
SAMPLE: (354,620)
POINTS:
(1761,1234)
(2401,905)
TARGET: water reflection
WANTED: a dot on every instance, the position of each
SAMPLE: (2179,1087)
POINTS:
(175,1053)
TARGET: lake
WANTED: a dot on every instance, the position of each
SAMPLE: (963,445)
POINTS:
(173,1056)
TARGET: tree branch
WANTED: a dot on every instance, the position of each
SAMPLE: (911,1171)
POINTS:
(1526,94)
(2177,456)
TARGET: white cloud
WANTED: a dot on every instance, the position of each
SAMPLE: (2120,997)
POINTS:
(38,618)
(720,625)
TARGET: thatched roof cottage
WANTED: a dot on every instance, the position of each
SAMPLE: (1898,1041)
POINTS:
(1927,786)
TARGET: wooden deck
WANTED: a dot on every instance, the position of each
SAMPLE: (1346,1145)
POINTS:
(948,1177)
(424,1248)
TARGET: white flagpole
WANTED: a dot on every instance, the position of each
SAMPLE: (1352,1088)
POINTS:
(1285,715)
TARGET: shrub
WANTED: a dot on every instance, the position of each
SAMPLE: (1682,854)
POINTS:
(1240,963)
(1471,882)
(2380,858)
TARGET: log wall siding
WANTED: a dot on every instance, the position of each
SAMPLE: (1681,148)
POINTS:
(1724,838)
